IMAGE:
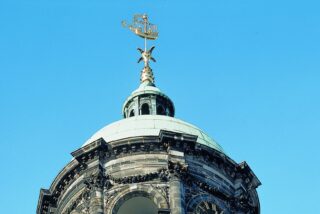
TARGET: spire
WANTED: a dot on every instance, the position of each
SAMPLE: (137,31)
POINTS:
(147,76)
(146,73)
(144,29)
(147,99)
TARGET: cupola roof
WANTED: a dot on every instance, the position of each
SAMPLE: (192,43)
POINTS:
(151,125)
(148,95)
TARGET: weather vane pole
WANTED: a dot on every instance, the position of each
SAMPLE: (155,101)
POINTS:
(145,19)
(144,29)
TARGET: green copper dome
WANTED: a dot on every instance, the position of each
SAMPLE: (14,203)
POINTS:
(147,112)
(151,125)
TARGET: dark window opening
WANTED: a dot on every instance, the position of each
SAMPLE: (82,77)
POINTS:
(131,113)
(145,109)
(160,110)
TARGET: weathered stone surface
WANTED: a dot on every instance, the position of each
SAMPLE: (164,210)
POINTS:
(177,178)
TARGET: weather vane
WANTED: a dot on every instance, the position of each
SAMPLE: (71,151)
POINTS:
(144,29)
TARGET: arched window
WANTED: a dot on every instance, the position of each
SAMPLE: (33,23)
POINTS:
(145,200)
(168,112)
(131,113)
(138,205)
(160,110)
(145,109)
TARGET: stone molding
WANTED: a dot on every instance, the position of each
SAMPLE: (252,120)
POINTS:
(89,160)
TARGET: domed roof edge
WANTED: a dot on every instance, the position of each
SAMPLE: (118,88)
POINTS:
(151,125)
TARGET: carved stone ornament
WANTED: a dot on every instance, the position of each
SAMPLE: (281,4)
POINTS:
(80,205)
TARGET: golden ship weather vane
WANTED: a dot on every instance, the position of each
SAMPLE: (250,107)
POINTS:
(144,29)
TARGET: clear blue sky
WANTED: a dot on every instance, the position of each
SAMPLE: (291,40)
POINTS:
(245,71)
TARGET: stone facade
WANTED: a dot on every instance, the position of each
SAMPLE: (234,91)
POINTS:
(172,170)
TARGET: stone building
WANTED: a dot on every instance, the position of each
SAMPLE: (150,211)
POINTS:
(151,162)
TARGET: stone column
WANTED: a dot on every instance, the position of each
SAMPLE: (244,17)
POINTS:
(176,194)
(153,105)
(96,202)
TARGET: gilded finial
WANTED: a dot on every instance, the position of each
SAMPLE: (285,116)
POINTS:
(146,56)
(144,29)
